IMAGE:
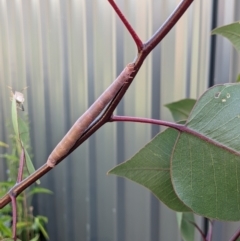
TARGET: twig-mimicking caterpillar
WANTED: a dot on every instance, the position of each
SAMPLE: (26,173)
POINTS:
(88,117)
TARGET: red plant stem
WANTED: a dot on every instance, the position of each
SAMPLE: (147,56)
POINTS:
(14,216)
(199,230)
(105,117)
(167,26)
(179,127)
(235,236)
(210,230)
(21,166)
(127,25)
(176,126)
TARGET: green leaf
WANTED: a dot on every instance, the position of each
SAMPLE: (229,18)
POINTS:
(30,166)
(35,238)
(15,117)
(37,190)
(23,130)
(22,225)
(40,226)
(42,218)
(181,109)
(8,184)
(231,32)
(185,226)
(9,157)
(3,144)
(5,231)
(206,158)
(238,78)
(150,167)
(10,239)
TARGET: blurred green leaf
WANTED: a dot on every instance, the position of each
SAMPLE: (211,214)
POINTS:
(29,164)
(10,239)
(43,219)
(6,210)
(37,190)
(5,231)
(21,225)
(3,144)
(150,167)
(205,162)
(35,238)
(9,157)
(24,131)
(231,32)
(38,223)
(7,184)
(181,109)
(15,117)
(185,226)
(238,78)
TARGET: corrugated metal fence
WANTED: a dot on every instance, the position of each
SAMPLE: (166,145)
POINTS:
(68,52)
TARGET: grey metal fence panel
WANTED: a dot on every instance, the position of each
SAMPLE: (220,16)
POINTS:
(68,52)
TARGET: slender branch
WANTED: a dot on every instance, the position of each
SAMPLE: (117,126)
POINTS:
(14,216)
(167,26)
(105,117)
(127,25)
(199,230)
(210,231)
(235,236)
(176,126)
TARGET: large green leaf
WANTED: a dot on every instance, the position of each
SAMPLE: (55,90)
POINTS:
(231,32)
(185,224)
(206,158)
(150,167)
(181,109)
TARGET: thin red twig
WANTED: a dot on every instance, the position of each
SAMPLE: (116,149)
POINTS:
(127,25)
(199,230)
(147,121)
(167,26)
(105,117)
(210,231)
(235,236)
(14,216)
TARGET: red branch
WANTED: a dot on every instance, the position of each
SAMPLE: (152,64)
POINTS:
(128,26)
(144,50)
(199,230)
(235,236)
(14,216)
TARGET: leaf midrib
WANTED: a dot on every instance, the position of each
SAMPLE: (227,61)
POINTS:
(207,139)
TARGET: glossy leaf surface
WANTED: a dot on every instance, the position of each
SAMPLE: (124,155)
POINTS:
(231,32)
(185,225)
(181,109)
(204,155)
(150,167)
(206,160)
